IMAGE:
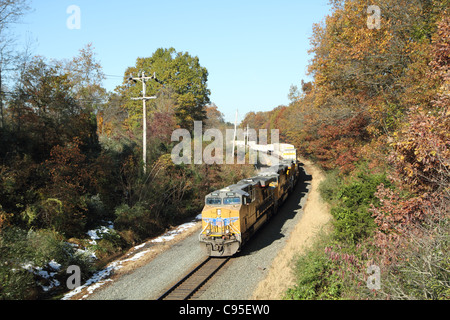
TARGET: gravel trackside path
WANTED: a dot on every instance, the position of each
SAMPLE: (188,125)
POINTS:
(262,270)
(316,215)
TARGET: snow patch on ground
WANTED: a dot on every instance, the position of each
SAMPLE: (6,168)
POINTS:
(102,277)
(97,234)
(48,272)
(52,283)
(170,235)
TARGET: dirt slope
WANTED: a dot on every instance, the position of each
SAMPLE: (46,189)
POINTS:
(315,217)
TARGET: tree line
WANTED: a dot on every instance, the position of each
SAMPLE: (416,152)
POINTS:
(70,158)
(375,117)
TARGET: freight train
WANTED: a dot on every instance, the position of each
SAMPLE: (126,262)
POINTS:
(233,214)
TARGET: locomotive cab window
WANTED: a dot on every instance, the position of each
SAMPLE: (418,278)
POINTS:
(232,200)
(213,201)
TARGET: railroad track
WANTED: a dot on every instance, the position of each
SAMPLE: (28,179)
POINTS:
(195,279)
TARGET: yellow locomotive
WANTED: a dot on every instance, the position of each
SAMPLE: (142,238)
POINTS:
(231,215)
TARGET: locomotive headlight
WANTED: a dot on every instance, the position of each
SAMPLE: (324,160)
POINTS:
(219,212)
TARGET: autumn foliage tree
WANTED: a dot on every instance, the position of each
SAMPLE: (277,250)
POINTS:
(421,156)
(378,104)
(364,73)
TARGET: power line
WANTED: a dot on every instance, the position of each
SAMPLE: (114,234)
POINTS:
(113,76)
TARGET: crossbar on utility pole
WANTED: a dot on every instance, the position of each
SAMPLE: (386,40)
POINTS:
(144,79)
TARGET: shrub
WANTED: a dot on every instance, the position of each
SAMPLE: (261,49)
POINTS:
(16,282)
(97,210)
(316,275)
(138,219)
(330,186)
(353,220)
(108,243)
(22,253)
(422,262)
(315,279)
(413,243)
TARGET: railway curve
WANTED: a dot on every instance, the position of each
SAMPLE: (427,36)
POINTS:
(151,280)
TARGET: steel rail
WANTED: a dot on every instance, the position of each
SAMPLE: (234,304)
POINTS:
(185,288)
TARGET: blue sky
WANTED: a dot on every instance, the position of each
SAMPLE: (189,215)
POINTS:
(253,50)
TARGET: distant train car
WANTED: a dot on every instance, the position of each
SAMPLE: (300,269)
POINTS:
(231,215)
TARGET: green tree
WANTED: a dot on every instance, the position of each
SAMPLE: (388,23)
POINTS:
(183,78)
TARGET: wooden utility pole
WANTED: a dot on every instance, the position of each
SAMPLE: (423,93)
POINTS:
(144,79)
(234,135)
